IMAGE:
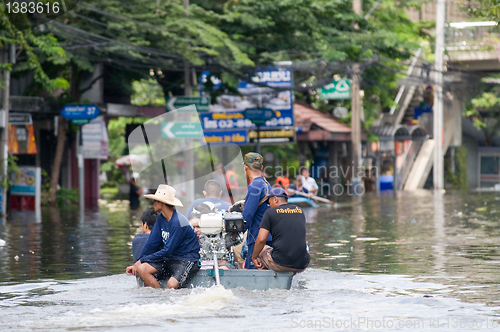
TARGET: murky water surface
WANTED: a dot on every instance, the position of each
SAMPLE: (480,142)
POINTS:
(419,261)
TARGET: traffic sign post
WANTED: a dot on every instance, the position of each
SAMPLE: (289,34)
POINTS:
(80,122)
(80,115)
(258,116)
(340,89)
(202,103)
(73,112)
(171,130)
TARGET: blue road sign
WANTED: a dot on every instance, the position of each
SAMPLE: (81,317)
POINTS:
(239,137)
(235,120)
(72,112)
(258,114)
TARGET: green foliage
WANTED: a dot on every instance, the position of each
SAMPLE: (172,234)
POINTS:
(45,181)
(484,110)
(64,196)
(117,148)
(110,191)
(487,9)
(316,33)
(67,197)
(11,167)
(46,46)
(459,178)
(147,93)
(162,25)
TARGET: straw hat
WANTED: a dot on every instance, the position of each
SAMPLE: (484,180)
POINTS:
(165,194)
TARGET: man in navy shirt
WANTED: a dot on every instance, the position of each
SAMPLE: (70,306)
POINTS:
(172,249)
(148,221)
(213,193)
(255,202)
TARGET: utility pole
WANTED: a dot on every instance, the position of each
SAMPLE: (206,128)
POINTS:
(188,154)
(438,168)
(8,56)
(188,91)
(355,126)
(357,7)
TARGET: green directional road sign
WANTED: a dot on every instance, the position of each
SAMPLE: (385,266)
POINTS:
(202,103)
(80,121)
(340,89)
(181,130)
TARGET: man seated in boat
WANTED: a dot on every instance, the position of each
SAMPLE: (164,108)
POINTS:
(212,193)
(194,220)
(308,182)
(172,249)
(295,190)
(148,220)
(287,225)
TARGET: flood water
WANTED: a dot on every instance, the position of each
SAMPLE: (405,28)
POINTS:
(420,261)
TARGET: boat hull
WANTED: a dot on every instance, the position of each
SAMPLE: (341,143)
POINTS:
(302,202)
(248,279)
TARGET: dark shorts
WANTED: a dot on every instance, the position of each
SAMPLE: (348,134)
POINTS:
(182,271)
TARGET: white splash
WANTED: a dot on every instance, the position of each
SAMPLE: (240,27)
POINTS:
(201,302)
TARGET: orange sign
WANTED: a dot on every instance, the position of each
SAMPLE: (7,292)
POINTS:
(22,139)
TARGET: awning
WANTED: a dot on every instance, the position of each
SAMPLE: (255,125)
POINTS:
(399,133)
(314,125)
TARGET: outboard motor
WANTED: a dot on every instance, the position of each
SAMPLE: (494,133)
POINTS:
(220,232)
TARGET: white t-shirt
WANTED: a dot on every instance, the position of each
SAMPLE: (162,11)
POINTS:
(309,184)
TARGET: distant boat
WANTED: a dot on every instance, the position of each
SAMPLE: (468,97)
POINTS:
(302,202)
(248,279)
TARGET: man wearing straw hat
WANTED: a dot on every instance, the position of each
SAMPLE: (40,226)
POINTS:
(172,249)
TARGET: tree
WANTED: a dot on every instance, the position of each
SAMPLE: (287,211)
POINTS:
(323,38)
(484,111)
(149,38)
(47,49)
(485,9)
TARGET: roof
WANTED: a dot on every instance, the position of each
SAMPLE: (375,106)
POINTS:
(305,117)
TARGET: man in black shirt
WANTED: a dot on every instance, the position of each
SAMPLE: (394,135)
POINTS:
(287,225)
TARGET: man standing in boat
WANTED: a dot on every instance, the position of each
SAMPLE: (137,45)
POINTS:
(172,249)
(287,225)
(255,201)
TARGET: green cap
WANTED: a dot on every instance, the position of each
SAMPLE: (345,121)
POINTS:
(254,161)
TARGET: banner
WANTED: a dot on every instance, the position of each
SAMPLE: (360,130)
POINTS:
(95,139)
(23,181)
(22,139)
(21,134)
(254,95)
(226,123)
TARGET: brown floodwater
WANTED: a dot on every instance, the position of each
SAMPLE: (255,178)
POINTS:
(424,252)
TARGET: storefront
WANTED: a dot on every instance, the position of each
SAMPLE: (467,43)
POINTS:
(488,166)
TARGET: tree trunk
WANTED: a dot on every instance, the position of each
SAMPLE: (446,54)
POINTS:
(56,167)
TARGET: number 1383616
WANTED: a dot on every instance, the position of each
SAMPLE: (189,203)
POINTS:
(32,7)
